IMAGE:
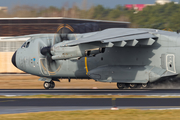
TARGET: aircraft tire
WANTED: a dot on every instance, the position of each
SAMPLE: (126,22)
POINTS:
(133,85)
(52,85)
(47,85)
(121,86)
(144,85)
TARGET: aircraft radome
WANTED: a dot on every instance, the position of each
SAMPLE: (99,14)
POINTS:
(131,57)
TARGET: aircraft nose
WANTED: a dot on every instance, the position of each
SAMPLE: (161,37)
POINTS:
(14,59)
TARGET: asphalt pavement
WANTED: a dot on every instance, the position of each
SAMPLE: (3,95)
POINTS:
(170,92)
(21,105)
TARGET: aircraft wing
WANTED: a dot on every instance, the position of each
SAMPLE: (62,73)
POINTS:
(118,37)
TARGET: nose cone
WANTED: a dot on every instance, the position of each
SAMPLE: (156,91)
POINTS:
(14,59)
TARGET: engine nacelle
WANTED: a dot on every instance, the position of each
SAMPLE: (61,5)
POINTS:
(62,53)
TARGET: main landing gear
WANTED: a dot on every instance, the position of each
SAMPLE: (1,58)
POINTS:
(132,85)
(48,85)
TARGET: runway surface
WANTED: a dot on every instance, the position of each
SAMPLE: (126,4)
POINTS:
(170,92)
(91,102)
(34,105)
(61,104)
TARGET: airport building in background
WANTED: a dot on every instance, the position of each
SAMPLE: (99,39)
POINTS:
(140,7)
(24,26)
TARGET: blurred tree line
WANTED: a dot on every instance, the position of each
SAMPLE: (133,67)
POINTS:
(157,16)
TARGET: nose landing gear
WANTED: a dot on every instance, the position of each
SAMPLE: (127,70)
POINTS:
(48,85)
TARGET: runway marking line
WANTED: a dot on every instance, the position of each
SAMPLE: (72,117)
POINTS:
(7,101)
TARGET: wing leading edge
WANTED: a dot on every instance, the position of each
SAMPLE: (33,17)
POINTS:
(119,37)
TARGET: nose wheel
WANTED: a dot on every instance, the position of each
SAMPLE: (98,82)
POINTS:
(48,85)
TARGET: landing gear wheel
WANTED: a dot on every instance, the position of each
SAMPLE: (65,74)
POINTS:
(144,85)
(47,85)
(52,84)
(121,85)
(133,85)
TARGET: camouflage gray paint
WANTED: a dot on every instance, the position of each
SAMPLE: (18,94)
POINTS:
(131,55)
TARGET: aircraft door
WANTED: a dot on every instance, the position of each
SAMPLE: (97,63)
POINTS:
(168,62)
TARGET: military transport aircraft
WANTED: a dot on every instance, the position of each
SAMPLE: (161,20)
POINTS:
(131,57)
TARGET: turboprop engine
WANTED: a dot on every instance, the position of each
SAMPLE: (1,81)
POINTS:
(58,52)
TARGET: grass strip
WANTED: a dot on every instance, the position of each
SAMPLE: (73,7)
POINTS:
(122,114)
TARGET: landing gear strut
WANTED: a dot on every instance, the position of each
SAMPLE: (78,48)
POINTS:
(48,85)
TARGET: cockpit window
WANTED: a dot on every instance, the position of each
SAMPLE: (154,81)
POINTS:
(23,46)
(27,45)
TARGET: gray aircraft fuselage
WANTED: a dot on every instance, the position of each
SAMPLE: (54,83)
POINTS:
(130,64)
